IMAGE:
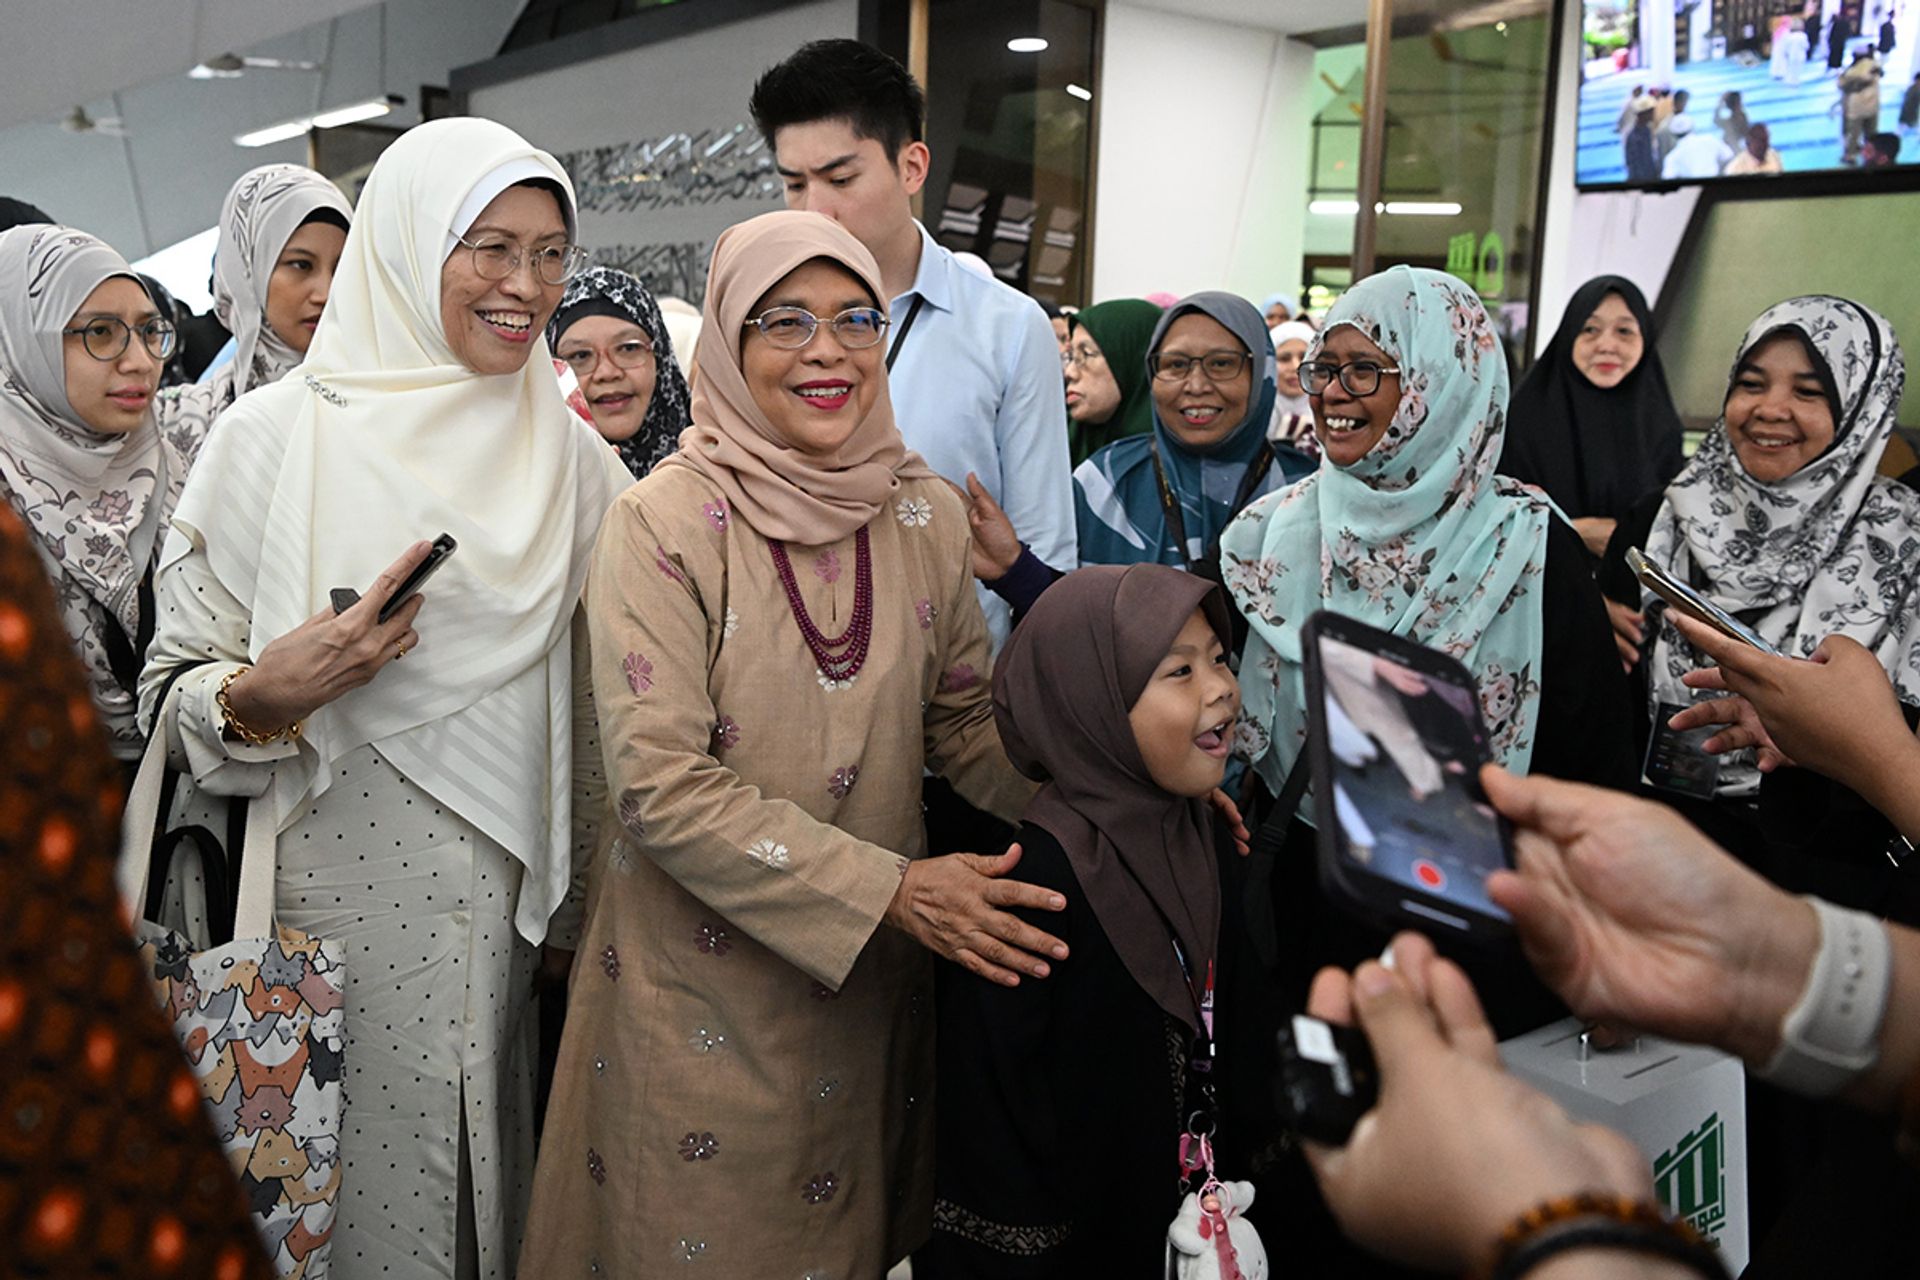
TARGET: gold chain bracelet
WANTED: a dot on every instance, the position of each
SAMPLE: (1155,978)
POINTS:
(232,722)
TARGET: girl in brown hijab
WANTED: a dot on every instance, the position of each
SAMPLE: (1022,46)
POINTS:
(1061,1102)
(785,636)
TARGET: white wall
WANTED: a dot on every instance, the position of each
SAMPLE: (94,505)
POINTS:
(1205,130)
(687,97)
(1626,233)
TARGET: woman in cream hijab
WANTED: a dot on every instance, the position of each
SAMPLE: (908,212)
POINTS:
(424,811)
(785,635)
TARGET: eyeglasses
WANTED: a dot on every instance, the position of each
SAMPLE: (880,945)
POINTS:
(1218,366)
(106,337)
(631,354)
(791,328)
(1080,355)
(1360,378)
(496,258)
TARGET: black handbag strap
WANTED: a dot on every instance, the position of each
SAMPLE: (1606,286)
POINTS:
(125,656)
(906,327)
(1263,856)
(218,862)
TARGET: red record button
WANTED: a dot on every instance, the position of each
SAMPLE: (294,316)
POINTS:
(1428,874)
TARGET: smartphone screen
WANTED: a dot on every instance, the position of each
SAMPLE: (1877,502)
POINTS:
(1411,831)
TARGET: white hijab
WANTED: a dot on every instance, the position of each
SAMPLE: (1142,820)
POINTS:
(94,503)
(381,438)
(1293,415)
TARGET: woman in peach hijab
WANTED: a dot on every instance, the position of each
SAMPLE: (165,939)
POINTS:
(785,635)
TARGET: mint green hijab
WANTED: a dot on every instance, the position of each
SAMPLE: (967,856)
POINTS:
(1418,538)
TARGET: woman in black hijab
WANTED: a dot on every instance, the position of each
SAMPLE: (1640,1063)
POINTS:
(1593,423)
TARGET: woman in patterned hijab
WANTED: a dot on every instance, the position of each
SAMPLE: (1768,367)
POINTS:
(609,331)
(1782,517)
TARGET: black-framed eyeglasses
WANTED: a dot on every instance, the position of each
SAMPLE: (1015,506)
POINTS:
(1080,355)
(634,353)
(1359,377)
(496,258)
(791,328)
(106,337)
(1217,366)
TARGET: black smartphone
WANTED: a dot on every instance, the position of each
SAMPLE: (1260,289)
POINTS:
(443,546)
(1327,1079)
(1395,741)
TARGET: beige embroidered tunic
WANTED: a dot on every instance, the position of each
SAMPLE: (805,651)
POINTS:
(746,1078)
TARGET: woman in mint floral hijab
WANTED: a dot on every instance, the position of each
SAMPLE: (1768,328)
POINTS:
(1407,526)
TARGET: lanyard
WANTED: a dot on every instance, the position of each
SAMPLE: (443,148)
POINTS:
(1170,505)
(906,327)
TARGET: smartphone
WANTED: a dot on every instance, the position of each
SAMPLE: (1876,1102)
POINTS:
(1679,595)
(443,546)
(1395,741)
(1327,1079)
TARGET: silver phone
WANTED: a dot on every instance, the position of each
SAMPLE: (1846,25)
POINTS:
(1680,596)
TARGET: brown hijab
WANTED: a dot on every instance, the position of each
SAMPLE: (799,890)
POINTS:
(778,490)
(1061,693)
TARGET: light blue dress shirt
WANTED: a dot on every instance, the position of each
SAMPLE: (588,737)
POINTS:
(977,387)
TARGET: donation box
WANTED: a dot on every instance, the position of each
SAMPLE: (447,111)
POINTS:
(1683,1105)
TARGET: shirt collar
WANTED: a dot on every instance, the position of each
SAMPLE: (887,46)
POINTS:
(933,281)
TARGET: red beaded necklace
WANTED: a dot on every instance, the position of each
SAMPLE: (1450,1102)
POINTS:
(852,642)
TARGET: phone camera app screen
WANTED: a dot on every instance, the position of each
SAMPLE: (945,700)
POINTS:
(1405,759)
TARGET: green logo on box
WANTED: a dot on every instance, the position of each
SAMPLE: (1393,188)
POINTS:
(1691,1177)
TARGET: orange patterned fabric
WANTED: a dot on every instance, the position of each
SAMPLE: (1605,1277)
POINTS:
(108,1166)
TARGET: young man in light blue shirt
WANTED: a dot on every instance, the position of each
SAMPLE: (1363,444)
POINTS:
(973,365)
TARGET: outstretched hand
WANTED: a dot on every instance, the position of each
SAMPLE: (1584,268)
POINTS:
(956,906)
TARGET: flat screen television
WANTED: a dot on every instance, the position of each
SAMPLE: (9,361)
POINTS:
(1719,90)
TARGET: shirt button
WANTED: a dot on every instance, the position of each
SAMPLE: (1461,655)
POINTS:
(459,917)
(470,1020)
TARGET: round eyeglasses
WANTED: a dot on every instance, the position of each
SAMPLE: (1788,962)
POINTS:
(1360,378)
(1217,366)
(632,354)
(496,258)
(106,337)
(791,328)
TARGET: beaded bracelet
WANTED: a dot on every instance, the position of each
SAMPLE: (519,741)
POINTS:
(232,722)
(1595,1220)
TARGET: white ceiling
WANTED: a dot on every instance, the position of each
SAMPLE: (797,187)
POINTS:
(164,181)
(59,52)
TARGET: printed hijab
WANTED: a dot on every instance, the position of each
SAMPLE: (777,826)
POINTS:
(1062,691)
(261,213)
(1123,329)
(603,291)
(778,490)
(1596,452)
(1117,500)
(384,437)
(1418,538)
(96,504)
(1833,548)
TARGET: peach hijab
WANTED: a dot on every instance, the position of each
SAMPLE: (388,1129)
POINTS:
(780,491)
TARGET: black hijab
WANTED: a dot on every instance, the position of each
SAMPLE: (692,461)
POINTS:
(1595,452)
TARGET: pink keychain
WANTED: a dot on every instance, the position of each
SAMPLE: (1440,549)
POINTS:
(1209,1239)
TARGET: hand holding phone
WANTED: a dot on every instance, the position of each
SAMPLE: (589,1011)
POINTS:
(1395,742)
(1685,599)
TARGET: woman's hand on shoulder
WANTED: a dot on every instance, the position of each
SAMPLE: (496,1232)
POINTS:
(329,654)
(956,906)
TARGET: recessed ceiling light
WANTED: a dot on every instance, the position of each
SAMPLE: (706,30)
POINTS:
(1084,94)
(1026,44)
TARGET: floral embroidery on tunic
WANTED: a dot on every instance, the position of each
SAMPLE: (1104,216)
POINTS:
(914,513)
(820,1187)
(824,1086)
(666,566)
(726,733)
(924,609)
(958,677)
(729,624)
(698,1146)
(639,673)
(610,961)
(826,566)
(706,1041)
(716,513)
(690,1250)
(832,685)
(596,1167)
(713,940)
(840,785)
(769,853)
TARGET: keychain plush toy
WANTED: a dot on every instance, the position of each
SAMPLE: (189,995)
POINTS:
(1209,1240)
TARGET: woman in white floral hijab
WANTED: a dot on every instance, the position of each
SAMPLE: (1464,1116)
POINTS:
(81,347)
